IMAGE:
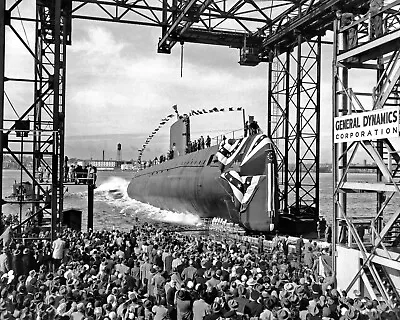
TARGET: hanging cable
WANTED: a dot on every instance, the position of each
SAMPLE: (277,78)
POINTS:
(12,106)
(182,58)
(23,27)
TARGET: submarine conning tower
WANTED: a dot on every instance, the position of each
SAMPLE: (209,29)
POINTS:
(179,134)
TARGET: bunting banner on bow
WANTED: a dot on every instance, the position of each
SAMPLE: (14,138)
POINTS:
(243,188)
(215,109)
(227,153)
(257,169)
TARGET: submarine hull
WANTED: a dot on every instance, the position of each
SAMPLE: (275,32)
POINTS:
(231,182)
(190,183)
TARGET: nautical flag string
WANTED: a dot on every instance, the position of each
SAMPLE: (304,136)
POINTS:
(153,133)
(215,109)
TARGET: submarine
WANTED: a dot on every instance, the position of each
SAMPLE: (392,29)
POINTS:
(236,180)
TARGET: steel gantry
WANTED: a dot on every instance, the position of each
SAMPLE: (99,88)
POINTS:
(285,34)
(367,46)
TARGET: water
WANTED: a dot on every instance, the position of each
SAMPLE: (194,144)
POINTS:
(114,209)
(112,206)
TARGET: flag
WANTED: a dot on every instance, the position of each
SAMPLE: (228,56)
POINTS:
(175,107)
(250,186)
(243,188)
(235,182)
(253,162)
(222,109)
(227,153)
(239,109)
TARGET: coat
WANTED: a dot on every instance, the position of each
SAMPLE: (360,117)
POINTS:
(58,249)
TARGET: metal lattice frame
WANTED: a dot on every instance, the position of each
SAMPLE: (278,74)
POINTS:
(381,54)
(268,27)
(44,140)
(296,97)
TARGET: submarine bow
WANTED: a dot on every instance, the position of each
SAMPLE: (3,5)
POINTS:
(249,167)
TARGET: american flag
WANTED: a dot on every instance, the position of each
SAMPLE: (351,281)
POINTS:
(227,153)
(235,183)
(259,142)
(243,188)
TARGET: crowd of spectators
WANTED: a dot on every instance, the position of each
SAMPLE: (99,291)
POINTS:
(153,273)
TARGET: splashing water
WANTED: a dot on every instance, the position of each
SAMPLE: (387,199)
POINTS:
(114,192)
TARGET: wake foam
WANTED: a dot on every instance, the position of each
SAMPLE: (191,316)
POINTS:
(114,192)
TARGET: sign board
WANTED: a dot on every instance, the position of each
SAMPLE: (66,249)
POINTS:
(369,125)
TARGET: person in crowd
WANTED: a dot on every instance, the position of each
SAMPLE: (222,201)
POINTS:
(208,142)
(155,273)
(376,19)
(58,252)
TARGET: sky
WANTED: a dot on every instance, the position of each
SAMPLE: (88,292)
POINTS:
(119,88)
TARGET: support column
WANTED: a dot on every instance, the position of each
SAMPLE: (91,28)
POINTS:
(2,64)
(56,105)
(91,188)
(298,147)
(287,130)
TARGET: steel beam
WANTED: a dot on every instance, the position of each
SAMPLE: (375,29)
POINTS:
(2,94)
(175,24)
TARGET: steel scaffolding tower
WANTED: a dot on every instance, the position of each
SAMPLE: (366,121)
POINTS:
(44,139)
(367,47)
(296,96)
(283,31)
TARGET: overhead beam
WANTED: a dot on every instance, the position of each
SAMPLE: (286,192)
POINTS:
(305,22)
(175,24)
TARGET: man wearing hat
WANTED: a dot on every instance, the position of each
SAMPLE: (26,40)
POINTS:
(16,262)
(241,299)
(183,305)
(267,313)
(253,308)
(216,312)
(283,314)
